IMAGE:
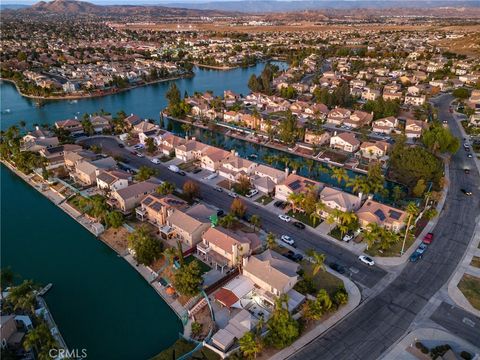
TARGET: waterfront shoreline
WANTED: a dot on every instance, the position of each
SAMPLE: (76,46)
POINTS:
(127,257)
(82,97)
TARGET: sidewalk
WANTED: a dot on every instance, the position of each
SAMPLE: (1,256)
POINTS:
(354,298)
(429,337)
(464,267)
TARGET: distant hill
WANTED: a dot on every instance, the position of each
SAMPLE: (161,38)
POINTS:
(260,6)
(74,7)
(13,6)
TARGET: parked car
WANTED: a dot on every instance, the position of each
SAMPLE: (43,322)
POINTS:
(466,171)
(299,225)
(196,170)
(337,267)
(140,155)
(415,256)
(366,260)
(173,168)
(466,192)
(121,146)
(252,193)
(232,194)
(297,257)
(287,239)
(285,218)
(278,203)
(138,146)
(218,188)
(220,212)
(469,155)
(155,161)
(422,248)
(428,238)
(182,173)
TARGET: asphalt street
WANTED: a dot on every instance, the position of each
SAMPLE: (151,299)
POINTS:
(362,274)
(379,322)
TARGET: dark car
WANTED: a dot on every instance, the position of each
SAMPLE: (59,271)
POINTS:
(121,146)
(182,173)
(196,170)
(278,203)
(337,267)
(466,171)
(297,257)
(466,192)
(299,225)
(415,256)
(220,213)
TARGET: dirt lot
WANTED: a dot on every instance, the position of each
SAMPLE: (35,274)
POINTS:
(116,238)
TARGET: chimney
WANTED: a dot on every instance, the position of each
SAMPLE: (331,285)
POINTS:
(37,127)
(245,261)
(186,137)
(286,172)
(294,172)
(360,196)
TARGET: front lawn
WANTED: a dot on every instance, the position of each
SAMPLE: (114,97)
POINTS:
(321,280)
(470,287)
(393,251)
(204,268)
(264,200)
(304,218)
(335,233)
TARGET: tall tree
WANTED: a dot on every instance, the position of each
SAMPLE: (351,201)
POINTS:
(238,208)
(318,261)
(412,211)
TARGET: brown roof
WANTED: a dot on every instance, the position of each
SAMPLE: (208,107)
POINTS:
(226,297)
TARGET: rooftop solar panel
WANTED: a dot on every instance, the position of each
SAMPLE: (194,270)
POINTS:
(379,213)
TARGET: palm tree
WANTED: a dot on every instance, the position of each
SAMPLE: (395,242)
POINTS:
(340,174)
(318,261)
(334,216)
(249,345)
(227,221)
(324,300)
(255,221)
(412,210)
(371,235)
(359,185)
(310,164)
(296,200)
(271,242)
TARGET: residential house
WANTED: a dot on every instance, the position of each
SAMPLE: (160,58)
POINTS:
(156,208)
(338,115)
(128,198)
(385,125)
(189,225)
(414,128)
(225,248)
(383,215)
(376,150)
(72,126)
(295,184)
(112,180)
(100,123)
(370,94)
(415,100)
(234,167)
(271,272)
(190,150)
(336,199)
(231,116)
(316,137)
(86,170)
(358,119)
(168,143)
(213,157)
(266,178)
(132,120)
(345,141)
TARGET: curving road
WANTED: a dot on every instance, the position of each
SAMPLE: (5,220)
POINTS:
(377,324)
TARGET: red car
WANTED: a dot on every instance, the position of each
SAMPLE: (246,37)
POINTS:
(428,238)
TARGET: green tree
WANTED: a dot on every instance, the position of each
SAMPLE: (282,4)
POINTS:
(170,253)
(41,340)
(419,188)
(145,173)
(165,188)
(340,174)
(188,279)
(283,329)
(114,219)
(439,139)
(250,345)
(150,145)
(461,93)
(22,298)
(227,221)
(147,249)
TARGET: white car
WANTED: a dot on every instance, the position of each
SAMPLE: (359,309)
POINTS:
(140,155)
(348,237)
(287,239)
(232,194)
(285,218)
(366,260)
(155,161)
(218,188)
(252,193)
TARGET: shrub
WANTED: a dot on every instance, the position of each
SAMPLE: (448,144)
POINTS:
(421,347)
(439,351)
(466,355)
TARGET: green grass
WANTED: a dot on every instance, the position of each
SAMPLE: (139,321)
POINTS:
(304,218)
(322,279)
(203,267)
(470,287)
(264,200)
(475,261)
(394,251)
(335,233)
